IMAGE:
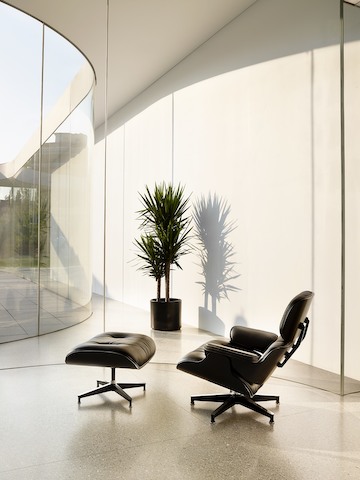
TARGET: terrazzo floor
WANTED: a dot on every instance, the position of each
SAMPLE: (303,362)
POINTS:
(45,434)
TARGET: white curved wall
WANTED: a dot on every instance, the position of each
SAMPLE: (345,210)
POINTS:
(253,115)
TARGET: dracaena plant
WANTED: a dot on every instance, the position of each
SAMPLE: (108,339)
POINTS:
(166,228)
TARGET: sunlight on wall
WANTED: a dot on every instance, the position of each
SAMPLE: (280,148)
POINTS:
(231,136)
(264,137)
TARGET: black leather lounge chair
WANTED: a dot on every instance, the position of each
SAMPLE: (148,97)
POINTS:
(247,360)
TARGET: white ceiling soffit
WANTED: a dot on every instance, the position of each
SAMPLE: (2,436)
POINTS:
(353,2)
(147,37)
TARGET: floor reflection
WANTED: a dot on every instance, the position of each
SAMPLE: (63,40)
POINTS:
(19,309)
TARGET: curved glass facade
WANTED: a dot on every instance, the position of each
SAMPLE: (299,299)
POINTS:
(47,130)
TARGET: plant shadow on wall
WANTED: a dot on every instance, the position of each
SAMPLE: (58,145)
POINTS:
(216,253)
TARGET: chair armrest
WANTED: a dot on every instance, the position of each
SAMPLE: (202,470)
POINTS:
(251,338)
(229,351)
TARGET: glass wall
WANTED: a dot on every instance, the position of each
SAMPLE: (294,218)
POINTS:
(46,91)
(351,159)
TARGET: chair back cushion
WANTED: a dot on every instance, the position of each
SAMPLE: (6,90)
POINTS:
(295,314)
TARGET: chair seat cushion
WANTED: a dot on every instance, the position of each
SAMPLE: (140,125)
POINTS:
(114,349)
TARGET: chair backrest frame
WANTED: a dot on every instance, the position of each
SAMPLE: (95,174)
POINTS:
(303,328)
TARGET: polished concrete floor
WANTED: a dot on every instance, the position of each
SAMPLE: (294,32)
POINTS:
(45,434)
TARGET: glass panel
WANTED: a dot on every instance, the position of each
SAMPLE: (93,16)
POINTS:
(65,269)
(65,277)
(45,272)
(62,62)
(352,197)
(20,80)
(20,97)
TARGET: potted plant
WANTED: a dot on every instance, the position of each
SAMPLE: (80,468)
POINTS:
(165,239)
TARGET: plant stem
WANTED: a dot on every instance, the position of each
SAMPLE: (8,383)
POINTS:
(167,281)
(158,289)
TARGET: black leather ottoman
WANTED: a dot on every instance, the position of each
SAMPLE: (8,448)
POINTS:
(113,350)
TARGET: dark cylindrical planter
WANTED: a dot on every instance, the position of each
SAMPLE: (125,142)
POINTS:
(165,315)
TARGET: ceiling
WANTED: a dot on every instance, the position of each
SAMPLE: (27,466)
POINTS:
(146,37)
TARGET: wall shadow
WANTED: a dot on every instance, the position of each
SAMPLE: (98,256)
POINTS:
(216,258)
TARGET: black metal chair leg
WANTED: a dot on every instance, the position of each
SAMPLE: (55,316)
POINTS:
(249,403)
(210,398)
(132,385)
(266,398)
(122,393)
(112,386)
(103,389)
(230,402)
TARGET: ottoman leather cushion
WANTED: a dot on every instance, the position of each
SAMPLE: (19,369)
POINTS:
(114,349)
